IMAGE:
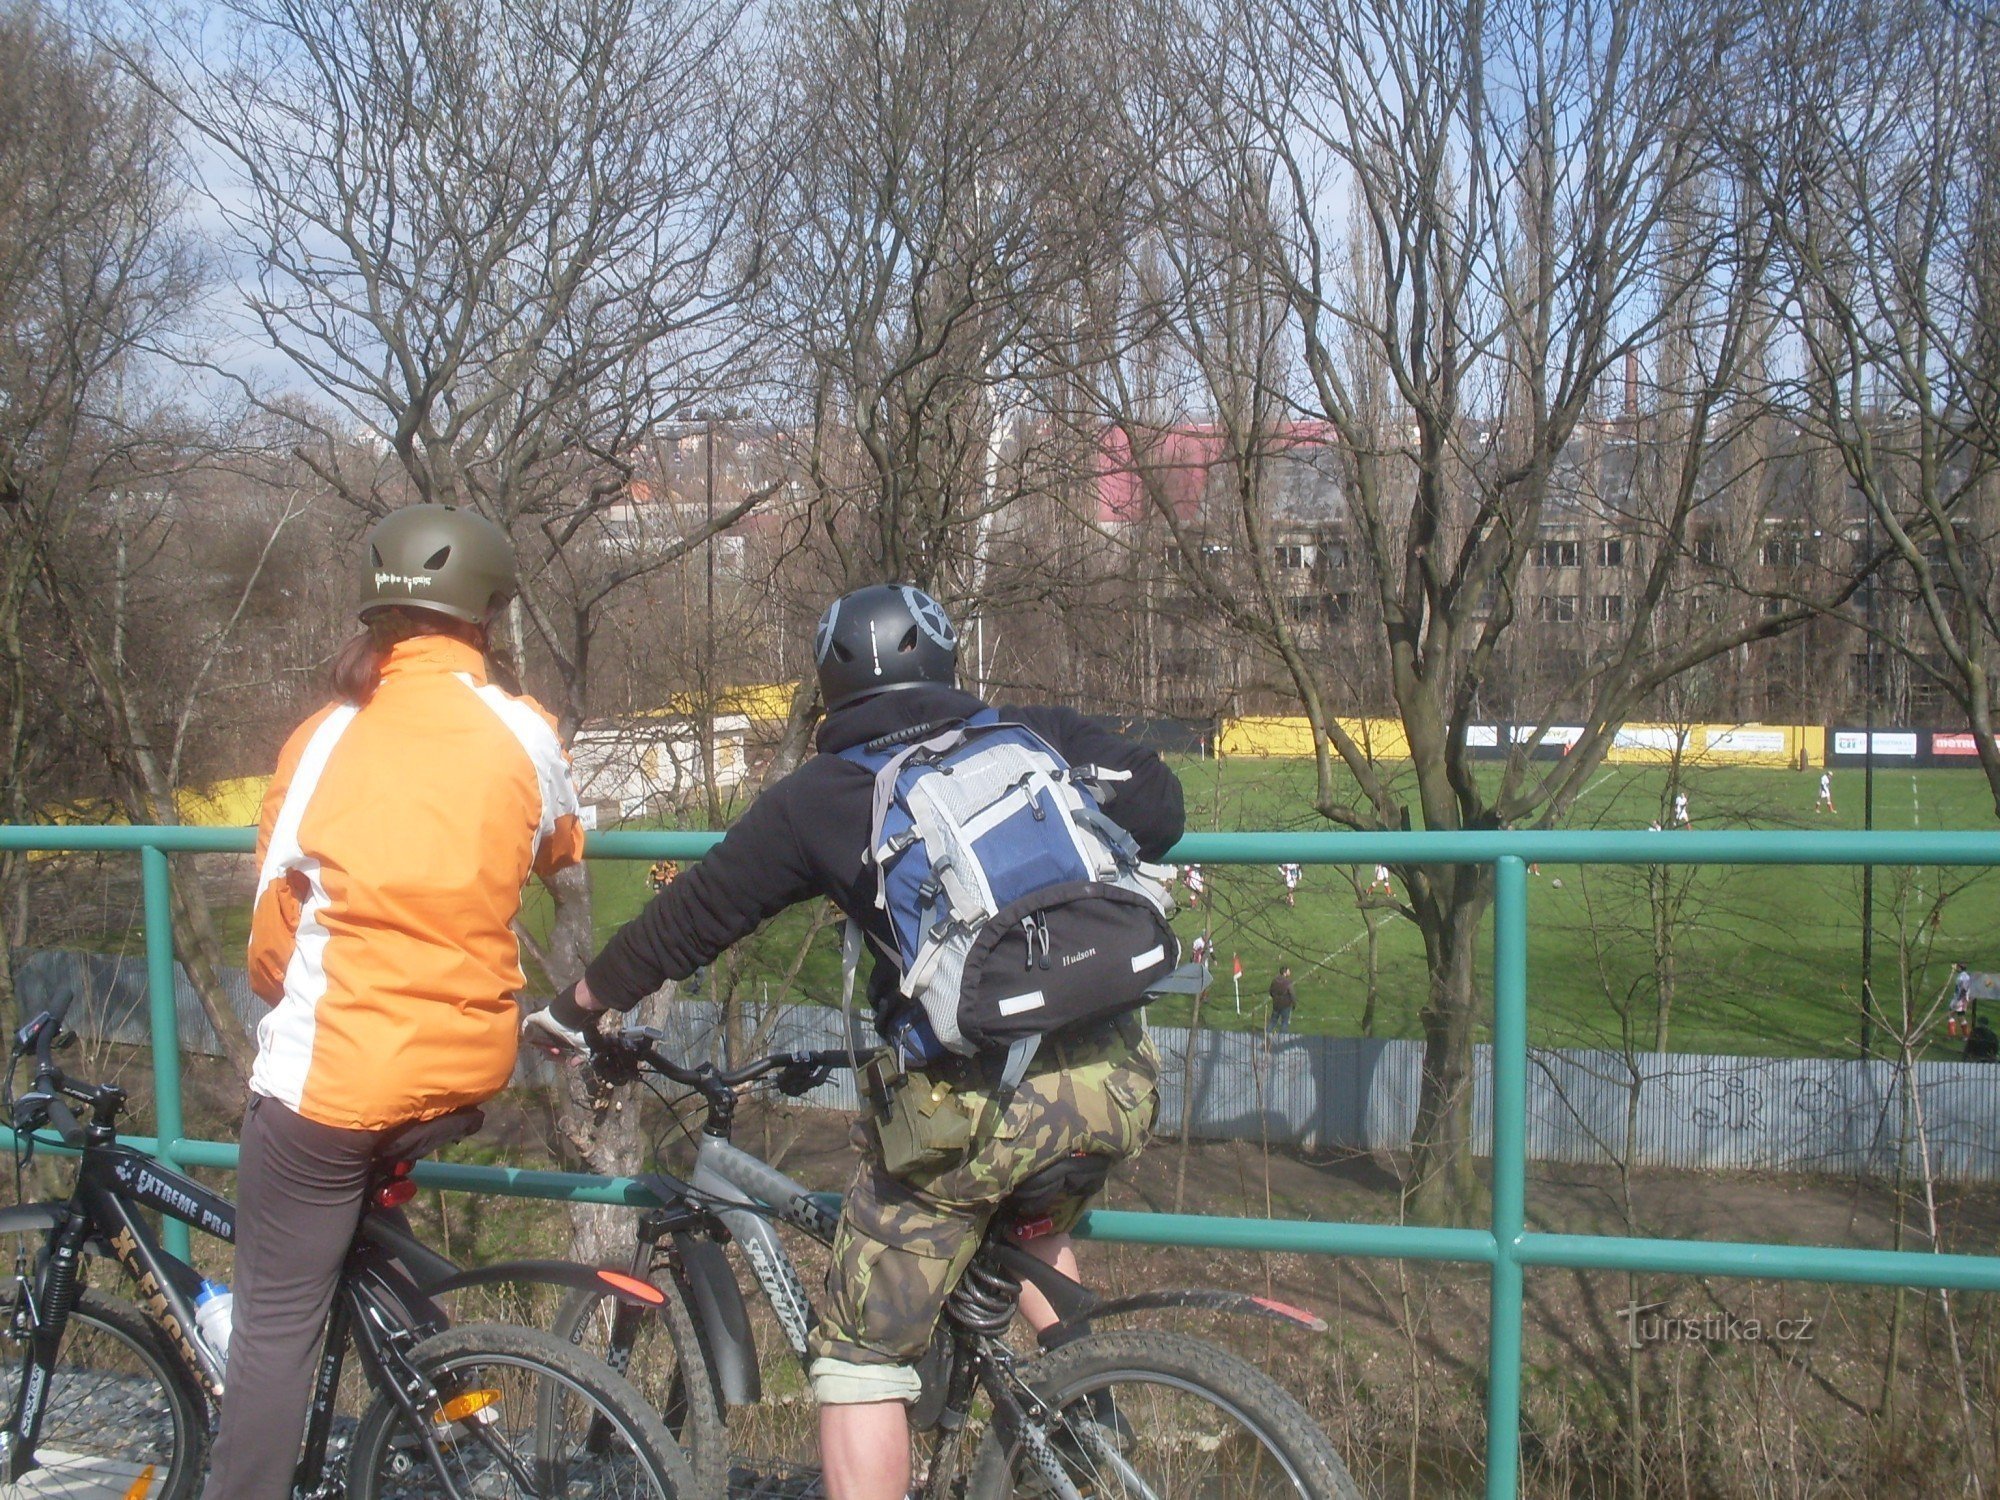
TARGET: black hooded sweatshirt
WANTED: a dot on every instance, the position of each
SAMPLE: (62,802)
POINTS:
(806,837)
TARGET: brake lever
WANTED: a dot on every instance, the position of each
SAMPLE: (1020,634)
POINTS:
(800,1079)
(610,1061)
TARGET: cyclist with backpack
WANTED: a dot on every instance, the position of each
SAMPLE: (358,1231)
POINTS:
(996,865)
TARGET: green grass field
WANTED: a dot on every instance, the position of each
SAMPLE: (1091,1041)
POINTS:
(1766,959)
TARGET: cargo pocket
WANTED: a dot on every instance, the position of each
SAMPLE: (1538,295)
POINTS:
(1136,1102)
(894,1260)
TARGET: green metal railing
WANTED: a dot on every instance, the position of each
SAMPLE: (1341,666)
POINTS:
(1506,1246)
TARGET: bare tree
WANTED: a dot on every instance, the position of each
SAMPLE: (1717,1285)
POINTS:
(503,241)
(98,279)
(1873,146)
(1423,240)
(926,222)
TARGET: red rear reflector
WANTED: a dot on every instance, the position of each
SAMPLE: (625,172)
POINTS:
(632,1286)
(396,1193)
(1286,1310)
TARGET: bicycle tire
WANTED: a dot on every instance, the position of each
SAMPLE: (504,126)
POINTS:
(1160,1380)
(576,1409)
(664,1359)
(120,1406)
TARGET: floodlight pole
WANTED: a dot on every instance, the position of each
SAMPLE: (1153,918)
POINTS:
(1868,797)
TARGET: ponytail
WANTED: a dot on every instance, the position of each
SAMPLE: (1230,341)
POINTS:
(357,666)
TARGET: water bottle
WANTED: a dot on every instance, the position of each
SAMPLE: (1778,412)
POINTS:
(212,1306)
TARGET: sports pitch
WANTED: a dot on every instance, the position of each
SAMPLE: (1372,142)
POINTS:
(1766,960)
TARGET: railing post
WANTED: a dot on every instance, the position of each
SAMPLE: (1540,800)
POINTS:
(167,1124)
(1510,1130)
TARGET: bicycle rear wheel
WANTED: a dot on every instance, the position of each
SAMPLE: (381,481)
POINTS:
(520,1414)
(1142,1415)
(121,1416)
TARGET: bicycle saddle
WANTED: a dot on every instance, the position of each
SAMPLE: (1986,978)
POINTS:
(1037,1196)
(419,1138)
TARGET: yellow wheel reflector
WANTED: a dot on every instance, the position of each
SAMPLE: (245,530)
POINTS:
(470,1404)
(141,1487)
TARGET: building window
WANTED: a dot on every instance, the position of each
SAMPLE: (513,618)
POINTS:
(1611,608)
(1611,553)
(1708,550)
(1292,555)
(1558,554)
(1314,609)
(1555,609)
(1787,551)
(1774,607)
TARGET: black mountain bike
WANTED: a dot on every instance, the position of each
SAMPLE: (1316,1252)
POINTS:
(106,1398)
(1124,1415)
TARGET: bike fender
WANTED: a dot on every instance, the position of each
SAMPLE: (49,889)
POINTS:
(1239,1303)
(624,1287)
(721,1319)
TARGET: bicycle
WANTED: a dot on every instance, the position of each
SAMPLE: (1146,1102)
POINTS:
(104,1397)
(1138,1413)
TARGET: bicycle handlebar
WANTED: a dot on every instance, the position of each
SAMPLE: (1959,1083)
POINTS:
(800,1072)
(47,1101)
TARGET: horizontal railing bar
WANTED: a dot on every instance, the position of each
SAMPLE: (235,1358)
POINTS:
(1596,846)
(1301,1236)
(1580,1252)
(1830,1263)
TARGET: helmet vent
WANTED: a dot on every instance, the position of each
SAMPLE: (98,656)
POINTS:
(909,640)
(438,558)
(376,553)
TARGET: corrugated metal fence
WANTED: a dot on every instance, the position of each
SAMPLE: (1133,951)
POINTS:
(1825,1115)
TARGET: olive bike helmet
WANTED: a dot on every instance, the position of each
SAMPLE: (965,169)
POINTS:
(441,558)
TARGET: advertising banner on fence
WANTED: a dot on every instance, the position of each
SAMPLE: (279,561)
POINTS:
(1775,745)
(1903,748)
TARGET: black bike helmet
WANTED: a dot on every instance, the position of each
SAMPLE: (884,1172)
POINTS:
(438,557)
(877,639)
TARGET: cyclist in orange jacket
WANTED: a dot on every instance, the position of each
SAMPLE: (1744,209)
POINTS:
(402,822)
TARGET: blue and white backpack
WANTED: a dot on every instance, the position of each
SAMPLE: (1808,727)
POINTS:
(1019,909)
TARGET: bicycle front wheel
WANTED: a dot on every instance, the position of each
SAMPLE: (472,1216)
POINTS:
(121,1415)
(519,1413)
(659,1351)
(1143,1415)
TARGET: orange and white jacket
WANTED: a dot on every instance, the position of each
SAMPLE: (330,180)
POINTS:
(393,846)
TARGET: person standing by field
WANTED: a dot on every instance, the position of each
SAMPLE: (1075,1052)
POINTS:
(1283,1001)
(1958,1020)
(1825,802)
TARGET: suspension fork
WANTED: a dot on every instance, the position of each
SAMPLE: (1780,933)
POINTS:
(47,1311)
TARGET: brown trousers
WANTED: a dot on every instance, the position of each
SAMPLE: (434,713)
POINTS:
(300,1190)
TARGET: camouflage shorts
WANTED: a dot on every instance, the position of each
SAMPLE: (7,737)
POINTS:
(904,1242)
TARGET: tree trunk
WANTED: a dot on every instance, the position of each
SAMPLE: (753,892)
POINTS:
(1374,978)
(1443,1189)
(1188,1081)
(600,1126)
(200,953)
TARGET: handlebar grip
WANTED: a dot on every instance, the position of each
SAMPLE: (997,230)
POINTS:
(65,1121)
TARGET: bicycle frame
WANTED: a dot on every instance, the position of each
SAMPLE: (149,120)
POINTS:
(384,1299)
